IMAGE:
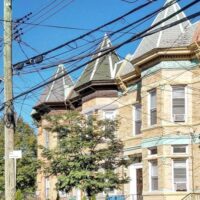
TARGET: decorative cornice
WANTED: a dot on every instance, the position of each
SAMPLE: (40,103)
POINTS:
(160,53)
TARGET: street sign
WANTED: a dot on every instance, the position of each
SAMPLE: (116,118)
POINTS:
(15,154)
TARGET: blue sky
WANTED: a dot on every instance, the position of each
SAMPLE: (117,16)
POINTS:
(83,14)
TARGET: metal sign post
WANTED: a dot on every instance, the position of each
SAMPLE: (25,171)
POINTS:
(15,155)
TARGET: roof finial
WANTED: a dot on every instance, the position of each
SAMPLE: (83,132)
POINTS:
(105,36)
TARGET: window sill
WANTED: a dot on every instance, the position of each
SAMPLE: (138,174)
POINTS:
(151,157)
(134,137)
(170,193)
(151,127)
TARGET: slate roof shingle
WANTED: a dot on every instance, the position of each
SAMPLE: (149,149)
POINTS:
(165,38)
(176,36)
(58,90)
(101,69)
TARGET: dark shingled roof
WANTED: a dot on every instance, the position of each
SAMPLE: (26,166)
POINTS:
(104,68)
(58,90)
(166,38)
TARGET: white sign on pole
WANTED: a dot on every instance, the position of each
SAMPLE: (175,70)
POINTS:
(15,154)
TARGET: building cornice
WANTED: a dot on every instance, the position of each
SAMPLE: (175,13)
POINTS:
(161,52)
(157,55)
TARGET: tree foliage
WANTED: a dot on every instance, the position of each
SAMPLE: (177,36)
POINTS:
(87,155)
(25,140)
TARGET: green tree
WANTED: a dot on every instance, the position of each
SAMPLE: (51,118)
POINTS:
(25,140)
(87,155)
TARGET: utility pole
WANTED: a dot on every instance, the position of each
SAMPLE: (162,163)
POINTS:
(8,95)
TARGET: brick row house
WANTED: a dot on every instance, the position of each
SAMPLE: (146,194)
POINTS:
(156,94)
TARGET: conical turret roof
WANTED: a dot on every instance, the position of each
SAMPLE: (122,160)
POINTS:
(58,90)
(166,38)
(102,69)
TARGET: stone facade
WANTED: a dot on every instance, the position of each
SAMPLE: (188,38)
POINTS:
(156,162)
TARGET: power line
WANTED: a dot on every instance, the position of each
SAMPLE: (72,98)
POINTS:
(38,71)
(80,57)
(112,49)
(140,21)
(147,32)
(94,30)
(55,12)
(127,1)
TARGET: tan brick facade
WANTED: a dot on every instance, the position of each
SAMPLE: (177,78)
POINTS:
(160,70)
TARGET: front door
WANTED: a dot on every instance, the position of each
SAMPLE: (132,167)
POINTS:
(136,184)
(139,182)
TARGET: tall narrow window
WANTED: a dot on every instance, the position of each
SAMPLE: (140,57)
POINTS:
(178,103)
(153,108)
(109,116)
(89,117)
(46,139)
(154,175)
(180,175)
(137,119)
(47,187)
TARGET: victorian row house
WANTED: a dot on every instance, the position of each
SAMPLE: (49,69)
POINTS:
(156,95)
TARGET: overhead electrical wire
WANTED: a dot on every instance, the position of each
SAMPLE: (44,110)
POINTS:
(170,121)
(52,14)
(126,14)
(21,48)
(23,21)
(112,49)
(94,30)
(138,22)
(144,33)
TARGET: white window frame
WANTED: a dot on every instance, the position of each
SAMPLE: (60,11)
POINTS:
(46,138)
(186,149)
(186,102)
(150,181)
(133,177)
(149,107)
(47,188)
(134,118)
(187,175)
(87,115)
(106,111)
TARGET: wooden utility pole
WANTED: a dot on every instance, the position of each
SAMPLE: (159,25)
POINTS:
(8,95)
